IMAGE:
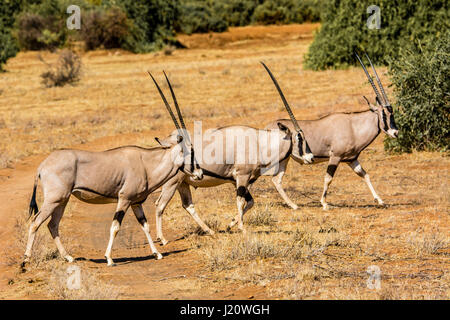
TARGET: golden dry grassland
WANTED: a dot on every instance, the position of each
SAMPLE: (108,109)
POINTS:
(304,254)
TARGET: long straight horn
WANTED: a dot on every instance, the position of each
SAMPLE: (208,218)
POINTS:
(286,105)
(177,107)
(369,78)
(166,103)
(379,81)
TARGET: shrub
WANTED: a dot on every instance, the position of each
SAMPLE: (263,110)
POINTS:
(66,71)
(344,30)
(8,48)
(151,23)
(422,87)
(217,16)
(107,29)
(41,26)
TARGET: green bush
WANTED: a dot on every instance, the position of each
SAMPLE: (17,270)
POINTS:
(205,16)
(344,30)
(108,28)
(286,11)
(422,87)
(41,25)
(8,48)
(152,23)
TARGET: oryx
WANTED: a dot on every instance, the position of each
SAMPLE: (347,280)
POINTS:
(267,147)
(126,175)
(341,137)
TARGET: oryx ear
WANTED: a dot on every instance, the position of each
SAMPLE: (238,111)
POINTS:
(371,106)
(282,127)
(179,139)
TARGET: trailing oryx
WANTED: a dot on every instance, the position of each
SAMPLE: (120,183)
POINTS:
(230,161)
(341,137)
(126,175)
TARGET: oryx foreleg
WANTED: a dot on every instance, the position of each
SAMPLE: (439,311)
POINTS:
(331,169)
(188,205)
(358,169)
(122,207)
(140,216)
(277,179)
(167,192)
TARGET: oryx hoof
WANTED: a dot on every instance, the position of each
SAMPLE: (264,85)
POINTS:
(325,207)
(69,258)
(294,207)
(163,241)
(110,262)
(158,256)
(23,265)
(380,203)
(211,232)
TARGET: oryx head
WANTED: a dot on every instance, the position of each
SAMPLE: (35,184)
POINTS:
(300,147)
(190,165)
(382,107)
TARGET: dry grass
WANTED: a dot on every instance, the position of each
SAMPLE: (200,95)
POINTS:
(286,254)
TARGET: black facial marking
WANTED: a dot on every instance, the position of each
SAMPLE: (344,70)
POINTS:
(241,191)
(385,126)
(192,160)
(331,169)
(300,144)
(119,216)
(392,122)
(308,150)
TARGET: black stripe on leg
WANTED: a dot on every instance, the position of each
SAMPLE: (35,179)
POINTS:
(241,191)
(331,169)
(119,216)
(142,220)
(248,197)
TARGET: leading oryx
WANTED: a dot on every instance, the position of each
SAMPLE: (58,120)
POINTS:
(126,175)
(267,147)
(341,137)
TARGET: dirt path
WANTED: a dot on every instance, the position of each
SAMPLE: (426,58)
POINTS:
(220,82)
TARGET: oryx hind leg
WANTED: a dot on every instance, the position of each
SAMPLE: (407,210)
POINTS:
(188,205)
(140,216)
(358,169)
(241,193)
(53,227)
(47,210)
(331,169)
(249,202)
(122,207)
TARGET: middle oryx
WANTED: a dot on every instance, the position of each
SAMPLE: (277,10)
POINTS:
(341,137)
(227,158)
(125,175)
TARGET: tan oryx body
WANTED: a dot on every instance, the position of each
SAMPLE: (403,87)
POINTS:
(247,153)
(341,137)
(126,175)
